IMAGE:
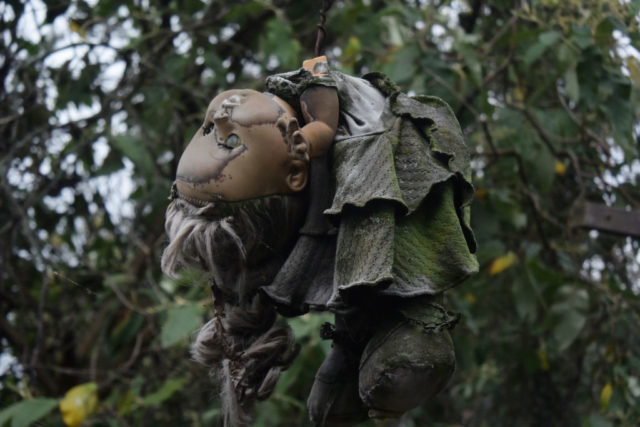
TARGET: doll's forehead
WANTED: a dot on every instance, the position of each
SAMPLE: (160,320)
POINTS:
(230,98)
(246,107)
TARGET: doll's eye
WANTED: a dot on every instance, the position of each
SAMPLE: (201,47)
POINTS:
(206,129)
(232,141)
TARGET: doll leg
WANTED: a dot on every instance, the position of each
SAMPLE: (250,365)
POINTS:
(334,400)
(405,363)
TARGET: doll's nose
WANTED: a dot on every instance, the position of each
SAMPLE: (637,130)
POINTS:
(222,121)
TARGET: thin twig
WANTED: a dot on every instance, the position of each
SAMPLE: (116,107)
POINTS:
(601,142)
(135,353)
(131,306)
(489,46)
(512,24)
(35,353)
(65,278)
(454,92)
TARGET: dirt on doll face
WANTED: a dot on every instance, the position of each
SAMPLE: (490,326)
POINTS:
(240,152)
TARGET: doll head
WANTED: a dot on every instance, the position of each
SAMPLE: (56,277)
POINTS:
(241,152)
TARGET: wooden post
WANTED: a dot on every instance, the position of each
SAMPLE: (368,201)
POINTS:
(605,218)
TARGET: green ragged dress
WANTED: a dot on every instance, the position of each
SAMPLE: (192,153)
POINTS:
(397,202)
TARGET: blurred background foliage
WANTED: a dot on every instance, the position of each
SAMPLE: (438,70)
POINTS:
(99,98)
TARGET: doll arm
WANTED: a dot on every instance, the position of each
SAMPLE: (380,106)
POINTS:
(320,110)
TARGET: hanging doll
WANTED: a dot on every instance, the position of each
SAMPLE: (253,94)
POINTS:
(327,192)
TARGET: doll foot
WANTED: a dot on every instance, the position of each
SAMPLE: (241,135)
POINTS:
(333,400)
(402,367)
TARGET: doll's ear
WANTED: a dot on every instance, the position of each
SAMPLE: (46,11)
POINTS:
(298,175)
(287,126)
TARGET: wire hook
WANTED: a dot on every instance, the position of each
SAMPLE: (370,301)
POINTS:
(322,32)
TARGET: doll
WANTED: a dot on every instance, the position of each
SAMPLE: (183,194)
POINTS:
(327,192)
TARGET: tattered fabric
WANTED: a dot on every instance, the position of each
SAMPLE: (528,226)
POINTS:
(399,194)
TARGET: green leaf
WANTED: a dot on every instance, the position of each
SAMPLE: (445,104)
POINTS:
(27,412)
(7,413)
(403,66)
(243,10)
(545,40)
(633,65)
(618,110)
(543,275)
(549,38)
(180,322)
(174,66)
(127,403)
(568,328)
(572,86)
(576,297)
(352,49)
(534,52)
(596,420)
(604,33)
(164,392)
(524,296)
(209,416)
(581,35)
(126,330)
(567,55)
(543,171)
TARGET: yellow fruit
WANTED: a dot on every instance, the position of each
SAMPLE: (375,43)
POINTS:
(501,263)
(518,94)
(543,359)
(78,403)
(605,396)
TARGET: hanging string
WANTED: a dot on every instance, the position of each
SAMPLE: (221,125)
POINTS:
(326,5)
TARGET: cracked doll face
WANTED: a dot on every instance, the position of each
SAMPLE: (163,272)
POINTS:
(240,152)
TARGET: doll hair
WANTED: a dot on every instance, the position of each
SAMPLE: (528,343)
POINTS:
(241,244)
(233,239)
(249,349)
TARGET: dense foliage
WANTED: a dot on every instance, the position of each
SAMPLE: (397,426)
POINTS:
(99,98)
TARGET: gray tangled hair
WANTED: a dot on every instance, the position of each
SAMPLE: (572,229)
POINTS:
(242,245)
(249,351)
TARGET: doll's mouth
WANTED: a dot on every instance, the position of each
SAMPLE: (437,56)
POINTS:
(197,194)
(209,208)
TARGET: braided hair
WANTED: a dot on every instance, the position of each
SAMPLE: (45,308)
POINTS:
(244,344)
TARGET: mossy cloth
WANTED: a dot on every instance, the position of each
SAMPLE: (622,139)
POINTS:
(399,193)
